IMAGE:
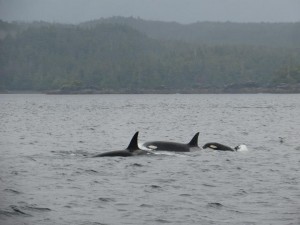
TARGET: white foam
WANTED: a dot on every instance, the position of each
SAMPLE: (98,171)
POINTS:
(168,153)
(242,148)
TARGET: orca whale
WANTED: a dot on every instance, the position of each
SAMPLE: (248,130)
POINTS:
(173,146)
(220,147)
(132,149)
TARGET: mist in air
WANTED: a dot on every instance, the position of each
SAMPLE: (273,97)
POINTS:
(189,11)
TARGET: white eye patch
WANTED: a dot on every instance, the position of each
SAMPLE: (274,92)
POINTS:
(213,146)
(152,147)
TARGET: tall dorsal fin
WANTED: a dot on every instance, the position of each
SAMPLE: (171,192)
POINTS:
(133,145)
(194,141)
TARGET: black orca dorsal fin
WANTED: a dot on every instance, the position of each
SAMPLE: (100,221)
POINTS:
(194,141)
(133,145)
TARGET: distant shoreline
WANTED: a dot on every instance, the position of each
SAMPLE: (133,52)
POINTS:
(277,90)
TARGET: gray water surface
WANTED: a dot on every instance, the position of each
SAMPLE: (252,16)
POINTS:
(47,174)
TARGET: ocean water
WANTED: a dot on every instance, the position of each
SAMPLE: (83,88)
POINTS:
(47,174)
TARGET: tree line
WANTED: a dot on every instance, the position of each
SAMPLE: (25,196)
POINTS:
(115,56)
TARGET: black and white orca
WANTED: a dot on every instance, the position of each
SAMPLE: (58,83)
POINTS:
(132,150)
(221,147)
(173,146)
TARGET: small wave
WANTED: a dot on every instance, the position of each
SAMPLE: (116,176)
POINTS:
(93,223)
(91,171)
(72,153)
(23,210)
(5,213)
(135,165)
(185,195)
(103,199)
(15,212)
(146,206)
(240,192)
(12,191)
(215,205)
(162,221)
(38,209)
(30,158)
(209,185)
(155,186)
(18,211)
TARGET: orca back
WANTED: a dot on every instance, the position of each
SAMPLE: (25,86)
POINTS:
(122,153)
(167,146)
(218,146)
(133,146)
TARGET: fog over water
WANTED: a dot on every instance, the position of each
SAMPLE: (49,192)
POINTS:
(188,11)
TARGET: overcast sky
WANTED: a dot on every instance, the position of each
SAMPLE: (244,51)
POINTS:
(183,11)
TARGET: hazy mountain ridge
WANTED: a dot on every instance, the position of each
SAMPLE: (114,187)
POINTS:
(220,33)
(116,56)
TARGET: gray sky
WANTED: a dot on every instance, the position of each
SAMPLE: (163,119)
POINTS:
(183,11)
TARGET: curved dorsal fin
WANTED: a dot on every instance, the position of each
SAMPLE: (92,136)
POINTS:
(194,141)
(133,145)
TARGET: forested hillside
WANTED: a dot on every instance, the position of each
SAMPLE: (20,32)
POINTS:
(215,33)
(117,56)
